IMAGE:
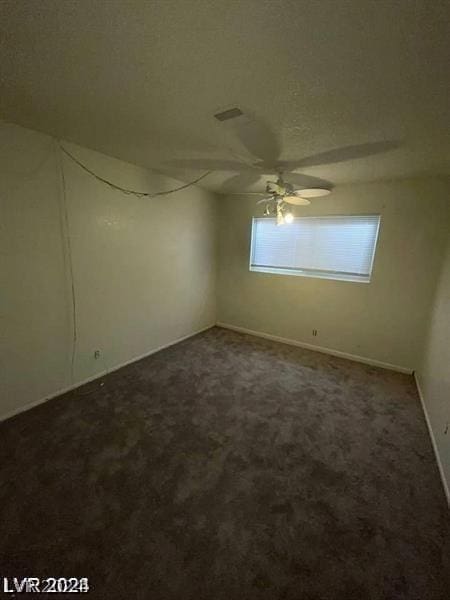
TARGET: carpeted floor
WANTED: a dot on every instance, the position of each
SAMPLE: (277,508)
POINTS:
(228,467)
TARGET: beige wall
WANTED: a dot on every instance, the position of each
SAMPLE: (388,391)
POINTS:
(384,320)
(434,373)
(144,269)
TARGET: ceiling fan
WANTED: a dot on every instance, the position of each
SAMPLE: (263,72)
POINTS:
(259,156)
(281,194)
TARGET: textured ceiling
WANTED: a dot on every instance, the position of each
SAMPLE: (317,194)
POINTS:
(141,80)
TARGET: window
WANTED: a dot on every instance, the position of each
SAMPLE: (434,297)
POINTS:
(335,247)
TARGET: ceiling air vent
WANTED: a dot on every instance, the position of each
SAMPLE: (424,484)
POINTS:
(231,113)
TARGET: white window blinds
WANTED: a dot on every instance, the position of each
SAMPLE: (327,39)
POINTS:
(336,247)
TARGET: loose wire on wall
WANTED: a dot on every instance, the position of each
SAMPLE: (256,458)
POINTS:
(126,190)
(66,231)
(68,245)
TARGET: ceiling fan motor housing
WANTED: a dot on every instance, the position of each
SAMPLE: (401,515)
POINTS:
(274,188)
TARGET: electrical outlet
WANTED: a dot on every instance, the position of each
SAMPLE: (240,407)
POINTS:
(97,354)
(314,332)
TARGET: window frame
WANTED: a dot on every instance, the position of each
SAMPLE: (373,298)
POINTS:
(317,273)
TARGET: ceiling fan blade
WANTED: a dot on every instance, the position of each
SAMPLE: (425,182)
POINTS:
(340,155)
(238,183)
(264,200)
(313,192)
(307,181)
(209,164)
(258,139)
(296,200)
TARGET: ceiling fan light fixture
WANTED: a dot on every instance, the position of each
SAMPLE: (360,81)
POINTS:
(288,217)
(280,215)
(267,211)
(283,214)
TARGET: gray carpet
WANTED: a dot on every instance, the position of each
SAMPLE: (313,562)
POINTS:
(228,467)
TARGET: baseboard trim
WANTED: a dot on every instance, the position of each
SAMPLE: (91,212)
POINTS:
(322,349)
(99,375)
(445,484)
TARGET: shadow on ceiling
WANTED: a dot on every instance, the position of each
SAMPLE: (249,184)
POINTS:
(261,151)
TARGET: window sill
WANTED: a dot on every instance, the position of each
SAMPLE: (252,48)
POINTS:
(312,274)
